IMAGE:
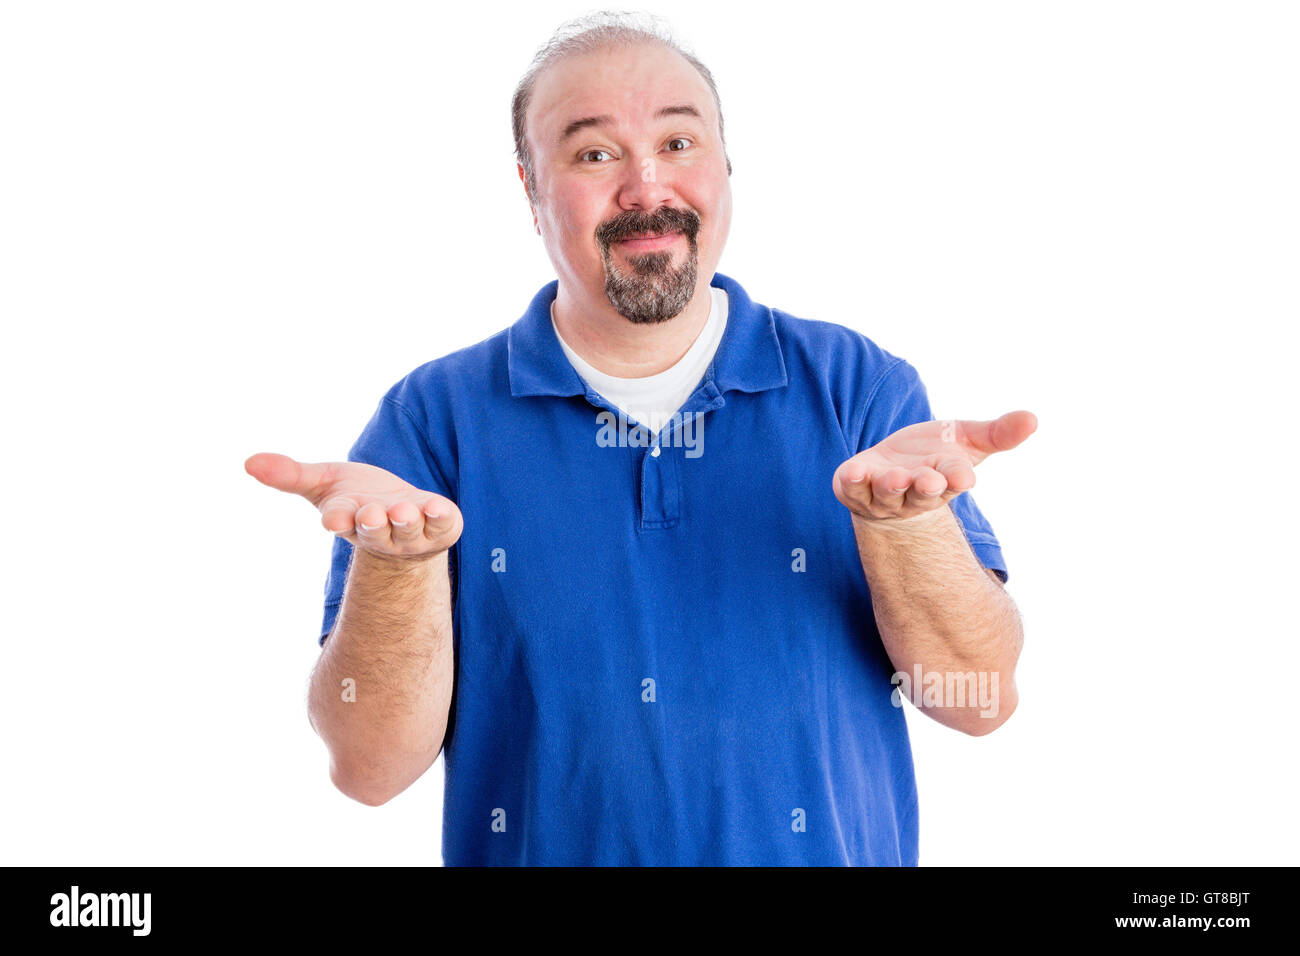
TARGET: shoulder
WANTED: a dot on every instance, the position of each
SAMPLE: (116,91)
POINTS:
(445,380)
(848,362)
(847,373)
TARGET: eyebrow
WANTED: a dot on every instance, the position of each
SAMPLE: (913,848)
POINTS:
(684,109)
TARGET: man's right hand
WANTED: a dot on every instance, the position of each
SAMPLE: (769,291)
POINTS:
(371,508)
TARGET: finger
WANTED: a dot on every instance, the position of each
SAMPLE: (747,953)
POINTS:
(889,488)
(285,474)
(927,487)
(407,522)
(856,470)
(958,474)
(441,521)
(339,515)
(851,486)
(372,528)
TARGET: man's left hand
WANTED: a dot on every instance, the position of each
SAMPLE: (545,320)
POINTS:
(920,468)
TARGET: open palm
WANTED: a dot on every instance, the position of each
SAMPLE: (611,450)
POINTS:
(922,467)
(370,507)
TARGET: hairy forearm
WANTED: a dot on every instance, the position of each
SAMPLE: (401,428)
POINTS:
(939,613)
(381,691)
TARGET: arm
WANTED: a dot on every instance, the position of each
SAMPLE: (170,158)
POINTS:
(380,693)
(938,612)
(952,636)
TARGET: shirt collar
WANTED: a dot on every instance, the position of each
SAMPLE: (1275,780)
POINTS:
(748,358)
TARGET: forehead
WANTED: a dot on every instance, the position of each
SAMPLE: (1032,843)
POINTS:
(627,82)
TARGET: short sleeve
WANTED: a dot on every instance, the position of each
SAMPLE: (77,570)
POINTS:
(396,441)
(900,399)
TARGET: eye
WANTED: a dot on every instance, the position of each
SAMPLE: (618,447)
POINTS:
(591,151)
(677,139)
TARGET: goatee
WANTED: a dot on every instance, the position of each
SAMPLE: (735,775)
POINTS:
(652,289)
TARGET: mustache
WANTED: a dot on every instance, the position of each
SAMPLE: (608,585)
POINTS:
(663,219)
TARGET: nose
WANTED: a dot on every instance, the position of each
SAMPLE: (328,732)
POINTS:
(644,185)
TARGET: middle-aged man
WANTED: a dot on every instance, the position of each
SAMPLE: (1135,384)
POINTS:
(657,563)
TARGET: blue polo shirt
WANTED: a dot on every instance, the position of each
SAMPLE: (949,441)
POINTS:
(664,654)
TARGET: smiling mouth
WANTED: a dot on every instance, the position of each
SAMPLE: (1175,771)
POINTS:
(649,239)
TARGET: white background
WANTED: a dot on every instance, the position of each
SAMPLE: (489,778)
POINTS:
(229,227)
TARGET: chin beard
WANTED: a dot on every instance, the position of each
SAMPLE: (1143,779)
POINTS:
(653,290)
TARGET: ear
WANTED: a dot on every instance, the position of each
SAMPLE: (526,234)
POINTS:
(520,169)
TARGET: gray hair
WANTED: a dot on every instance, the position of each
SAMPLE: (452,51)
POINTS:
(584,35)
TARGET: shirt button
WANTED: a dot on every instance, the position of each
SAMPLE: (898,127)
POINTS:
(655,452)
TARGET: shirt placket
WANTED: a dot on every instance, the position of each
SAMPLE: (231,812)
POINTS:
(659,486)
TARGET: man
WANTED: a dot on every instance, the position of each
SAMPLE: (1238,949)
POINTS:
(648,564)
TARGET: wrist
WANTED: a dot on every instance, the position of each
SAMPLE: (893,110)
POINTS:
(395,563)
(922,523)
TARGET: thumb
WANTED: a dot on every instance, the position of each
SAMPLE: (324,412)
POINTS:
(1000,434)
(1011,429)
(285,474)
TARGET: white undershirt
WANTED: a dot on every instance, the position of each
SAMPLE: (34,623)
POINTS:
(651,400)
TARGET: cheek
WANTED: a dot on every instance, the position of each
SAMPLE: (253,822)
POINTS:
(709,197)
(579,230)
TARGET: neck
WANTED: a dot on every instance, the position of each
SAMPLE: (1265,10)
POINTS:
(613,345)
